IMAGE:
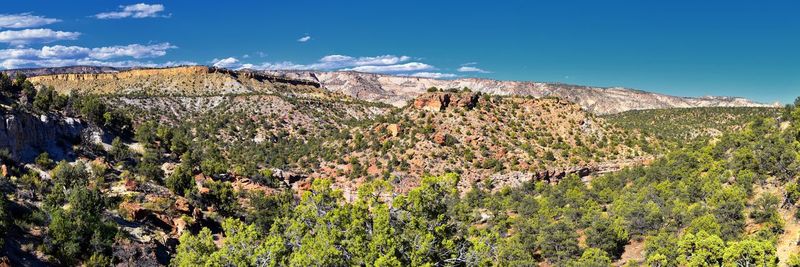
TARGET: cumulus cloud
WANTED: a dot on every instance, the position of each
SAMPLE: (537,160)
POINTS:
(132,50)
(339,61)
(471,69)
(68,52)
(435,75)
(411,66)
(28,36)
(59,55)
(386,63)
(138,11)
(26,63)
(285,65)
(24,20)
(304,39)
(230,62)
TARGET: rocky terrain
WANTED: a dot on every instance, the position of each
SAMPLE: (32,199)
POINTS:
(394,90)
(26,135)
(491,141)
(351,133)
(398,90)
(152,156)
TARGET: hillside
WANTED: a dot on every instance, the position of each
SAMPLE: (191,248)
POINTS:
(682,125)
(388,89)
(398,90)
(172,166)
(493,141)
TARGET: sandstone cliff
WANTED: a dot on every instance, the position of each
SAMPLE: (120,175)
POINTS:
(399,90)
(177,81)
(26,135)
(389,89)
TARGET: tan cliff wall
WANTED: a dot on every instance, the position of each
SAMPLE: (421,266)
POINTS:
(189,70)
(186,81)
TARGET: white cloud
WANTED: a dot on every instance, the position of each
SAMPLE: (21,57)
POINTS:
(140,10)
(24,20)
(336,58)
(411,66)
(102,53)
(27,36)
(472,69)
(435,75)
(63,52)
(59,55)
(304,39)
(26,63)
(132,50)
(342,61)
(330,62)
(230,62)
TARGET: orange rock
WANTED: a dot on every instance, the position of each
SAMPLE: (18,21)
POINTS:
(373,170)
(133,210)
(439,138)
(180,226)
(204,190)
(393,129)
(131,185)
(432,101)
(304,186)
(182,205)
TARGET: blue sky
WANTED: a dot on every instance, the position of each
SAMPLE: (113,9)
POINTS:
(687,48)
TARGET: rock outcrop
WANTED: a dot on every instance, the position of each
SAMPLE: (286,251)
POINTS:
(399,90)
(440,101)
(389,89)
(432,102)
(26,135)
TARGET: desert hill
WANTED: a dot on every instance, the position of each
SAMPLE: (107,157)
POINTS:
(388,89)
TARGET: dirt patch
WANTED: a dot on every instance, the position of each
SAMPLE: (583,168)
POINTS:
(634,251)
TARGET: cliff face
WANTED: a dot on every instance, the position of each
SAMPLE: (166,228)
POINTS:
(177,81)
(393,90)
(190,70)
(26,135)
(399,90)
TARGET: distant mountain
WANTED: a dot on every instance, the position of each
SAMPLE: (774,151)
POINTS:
(399,90)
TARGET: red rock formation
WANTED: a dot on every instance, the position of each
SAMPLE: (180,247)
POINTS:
(432,101)
(442,100)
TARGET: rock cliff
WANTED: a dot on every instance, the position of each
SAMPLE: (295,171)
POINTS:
(389,89)
(399,90)
(26,135)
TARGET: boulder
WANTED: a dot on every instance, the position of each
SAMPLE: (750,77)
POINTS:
(440,100)
(373,170)
(439,138)
(182,205)
(132,253)
(466,100)
(131,185)
(393,129)
(432,101)
(287,176)
(180,226)
(132,210)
